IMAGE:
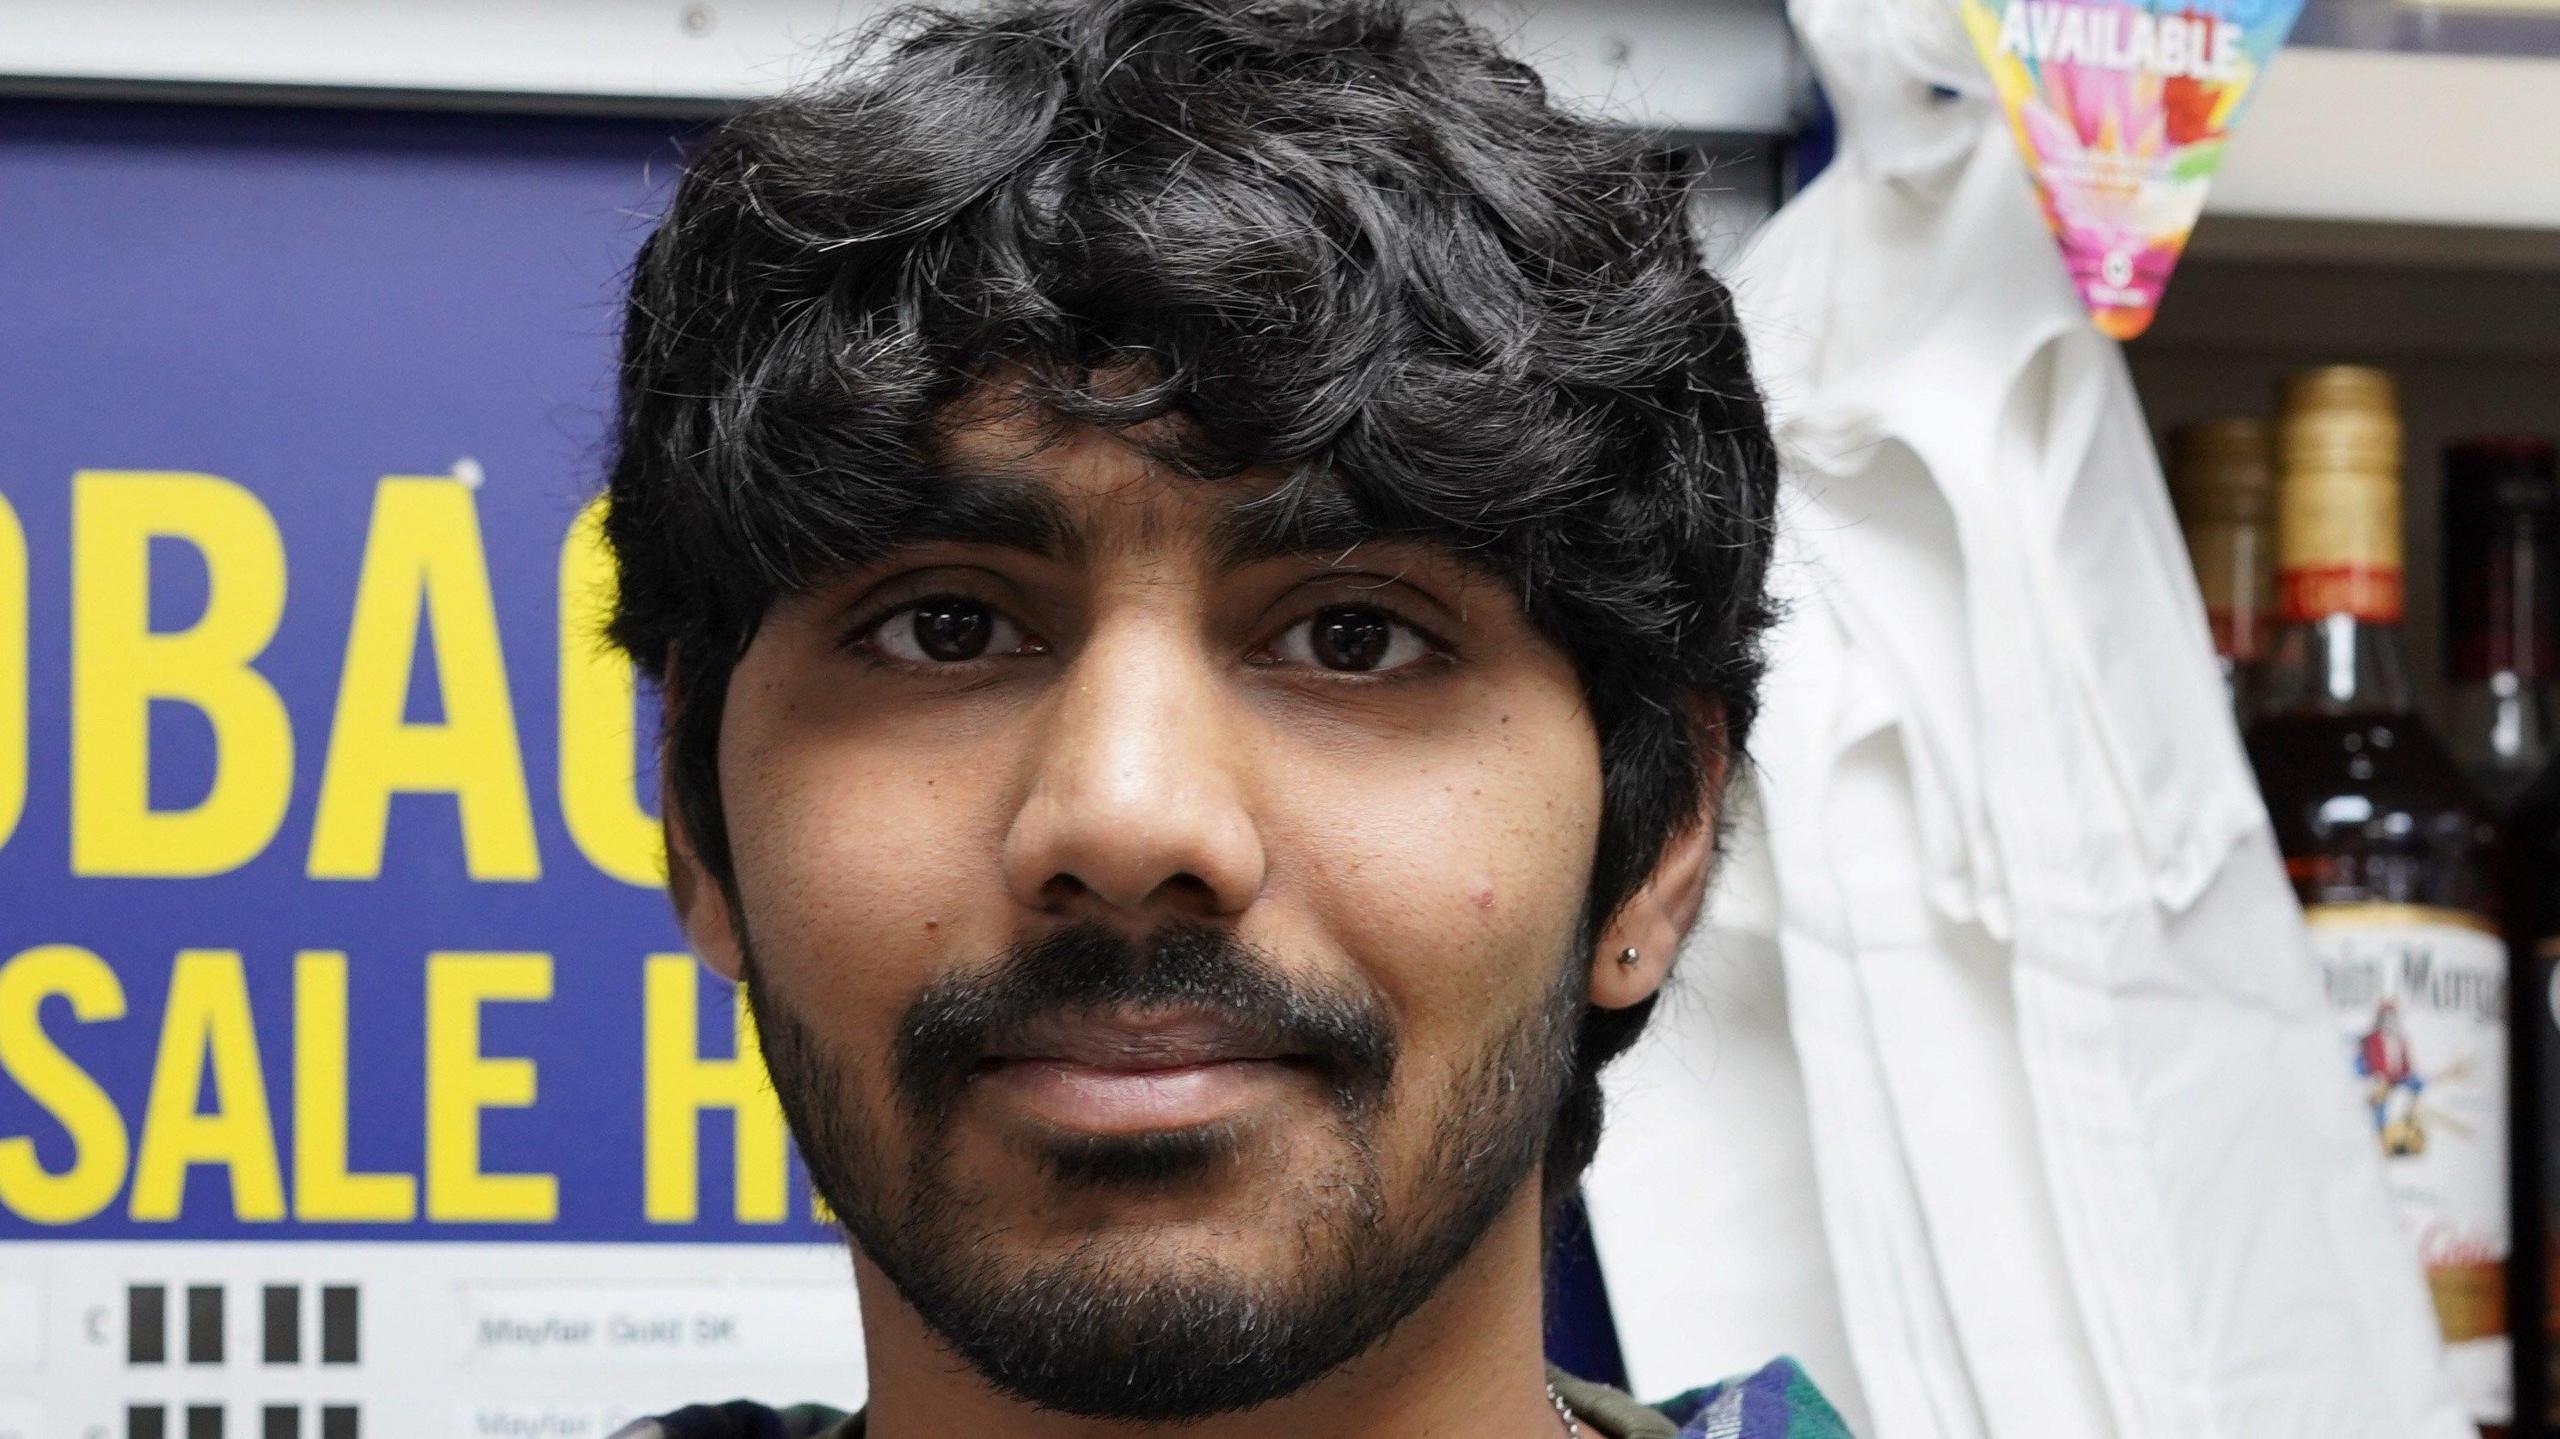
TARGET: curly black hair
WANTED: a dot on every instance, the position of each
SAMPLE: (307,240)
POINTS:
(1349,239)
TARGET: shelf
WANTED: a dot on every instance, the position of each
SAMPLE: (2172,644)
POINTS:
(2429,144)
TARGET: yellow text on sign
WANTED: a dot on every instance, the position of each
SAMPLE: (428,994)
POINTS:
(682,1084)
(423,578)
(209,1110)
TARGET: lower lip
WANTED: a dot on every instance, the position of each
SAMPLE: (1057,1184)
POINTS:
(1091,1100)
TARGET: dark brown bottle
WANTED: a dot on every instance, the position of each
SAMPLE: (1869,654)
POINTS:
(2533,893)
(2499,511)
(2502,611)
(2393,860)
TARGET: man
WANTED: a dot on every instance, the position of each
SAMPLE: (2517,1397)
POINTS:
(1204,560)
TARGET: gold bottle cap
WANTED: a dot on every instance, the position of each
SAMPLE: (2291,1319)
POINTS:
(2338,440)
(2222,471)
(2339,417)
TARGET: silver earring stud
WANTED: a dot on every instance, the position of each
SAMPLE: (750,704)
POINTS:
(1628,957)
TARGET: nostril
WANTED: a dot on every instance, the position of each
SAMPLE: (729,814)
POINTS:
(1183,891)
(1188,892)
(1062,890)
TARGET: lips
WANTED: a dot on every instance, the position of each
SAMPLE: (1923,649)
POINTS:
(1136,1041)
(1125,1072)
(1085,1030)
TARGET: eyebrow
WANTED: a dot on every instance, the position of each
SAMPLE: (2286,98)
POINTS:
(1008,511)
(1326,522)
(1318,521)
(1017,510)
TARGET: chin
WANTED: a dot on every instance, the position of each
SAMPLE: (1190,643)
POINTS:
(1250,1183)
(1192,1158)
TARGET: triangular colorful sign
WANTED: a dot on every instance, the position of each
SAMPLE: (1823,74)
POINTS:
(2122,111)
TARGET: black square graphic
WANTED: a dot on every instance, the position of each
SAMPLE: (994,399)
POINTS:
(282,1308)
(146,1324)
(145,1421)
(337,1326)
(204,1330)
(204,1421)
(280,1421)
(338,1421)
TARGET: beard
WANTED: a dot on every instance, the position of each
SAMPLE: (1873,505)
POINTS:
(1112,1328)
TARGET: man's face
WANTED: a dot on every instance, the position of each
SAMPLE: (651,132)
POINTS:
(1166,950)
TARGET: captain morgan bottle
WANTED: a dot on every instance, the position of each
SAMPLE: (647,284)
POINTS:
(2392,859)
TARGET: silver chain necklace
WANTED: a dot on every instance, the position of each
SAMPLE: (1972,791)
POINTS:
(1572,1426)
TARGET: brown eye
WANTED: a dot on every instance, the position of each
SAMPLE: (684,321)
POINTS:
(1352,639)
(948,629)
(951,630)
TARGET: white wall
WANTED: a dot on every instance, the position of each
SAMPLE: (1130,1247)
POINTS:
(1715,65)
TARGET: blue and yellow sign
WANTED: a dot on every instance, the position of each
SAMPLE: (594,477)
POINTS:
(329,871)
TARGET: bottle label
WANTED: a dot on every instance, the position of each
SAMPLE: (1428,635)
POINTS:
(2420,995)
(2369,594)
(2339,546)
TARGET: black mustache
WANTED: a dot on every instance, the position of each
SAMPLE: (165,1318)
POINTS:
(959,1019)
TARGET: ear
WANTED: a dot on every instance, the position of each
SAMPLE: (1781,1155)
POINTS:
(1657,917)
(702,905)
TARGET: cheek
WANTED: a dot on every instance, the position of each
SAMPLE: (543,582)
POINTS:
(860,867)
(1453,873)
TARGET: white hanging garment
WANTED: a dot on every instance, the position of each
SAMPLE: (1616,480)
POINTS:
(1701,1198)
(2087,1159)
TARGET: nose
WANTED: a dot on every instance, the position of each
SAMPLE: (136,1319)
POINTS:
(1136,810)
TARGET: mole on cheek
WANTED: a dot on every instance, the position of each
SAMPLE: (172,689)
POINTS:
(1484,898)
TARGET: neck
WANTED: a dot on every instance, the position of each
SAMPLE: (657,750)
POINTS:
(1470,1362)
(2338,664)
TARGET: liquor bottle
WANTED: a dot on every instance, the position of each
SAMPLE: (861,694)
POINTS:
(2499,510)
(2533,893)
(2223,482)
(2392,858)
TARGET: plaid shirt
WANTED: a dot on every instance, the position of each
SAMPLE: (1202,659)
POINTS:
(1778,1402)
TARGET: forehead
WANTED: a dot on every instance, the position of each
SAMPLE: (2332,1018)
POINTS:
(1083,490)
